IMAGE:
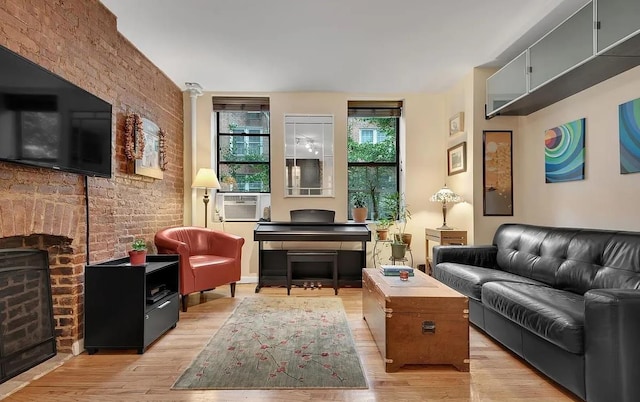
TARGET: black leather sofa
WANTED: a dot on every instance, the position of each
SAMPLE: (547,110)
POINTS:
(565,300)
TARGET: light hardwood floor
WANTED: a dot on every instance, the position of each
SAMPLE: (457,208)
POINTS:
(495,375)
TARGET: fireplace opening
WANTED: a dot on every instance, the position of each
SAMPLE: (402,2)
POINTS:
(27,329)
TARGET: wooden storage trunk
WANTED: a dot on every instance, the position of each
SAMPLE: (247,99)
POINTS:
(419,321)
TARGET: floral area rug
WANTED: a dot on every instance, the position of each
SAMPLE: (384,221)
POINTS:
(279,342)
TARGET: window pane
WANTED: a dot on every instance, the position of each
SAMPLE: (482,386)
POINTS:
(366,136)
(242,148)
(375,182)
(243,122)
(245,177)
(384,150)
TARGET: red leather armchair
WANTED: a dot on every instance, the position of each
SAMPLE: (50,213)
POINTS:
(208,258)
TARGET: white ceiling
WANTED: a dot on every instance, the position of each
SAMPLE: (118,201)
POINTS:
(355,46)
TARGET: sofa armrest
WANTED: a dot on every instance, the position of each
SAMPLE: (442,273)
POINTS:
(481,256)
(612,346)
(167,245)
(225,244)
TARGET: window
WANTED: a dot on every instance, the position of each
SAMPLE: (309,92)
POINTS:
(243,143)
(366,135)
(373,168)
(371,136)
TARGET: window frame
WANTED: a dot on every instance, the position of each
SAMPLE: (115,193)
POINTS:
(245,135)
(375,112)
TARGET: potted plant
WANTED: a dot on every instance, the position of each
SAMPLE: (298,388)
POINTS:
(359,203)
(382,228)
(229,181)
(396,207)
(138,253)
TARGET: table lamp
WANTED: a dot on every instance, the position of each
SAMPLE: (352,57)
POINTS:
(206,178)
(445,195)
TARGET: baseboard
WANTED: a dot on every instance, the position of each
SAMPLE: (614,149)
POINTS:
(248,279)
(77,347)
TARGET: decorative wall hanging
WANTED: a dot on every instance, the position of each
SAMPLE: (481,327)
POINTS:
(150,162)
(497,173)
(456,124)
(162,135)
(133,137)
(564,152)
(457,159)
(629,128)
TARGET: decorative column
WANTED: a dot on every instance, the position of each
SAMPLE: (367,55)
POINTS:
(194,90)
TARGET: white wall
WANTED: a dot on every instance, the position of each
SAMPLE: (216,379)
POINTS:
(460,99)
(425,127)
(485,226)
(605,199)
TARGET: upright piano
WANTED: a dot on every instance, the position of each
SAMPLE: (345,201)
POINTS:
(272,262)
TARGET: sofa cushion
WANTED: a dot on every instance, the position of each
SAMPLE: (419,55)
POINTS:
(553,314)
(535,252)
(468,279)
(576,260)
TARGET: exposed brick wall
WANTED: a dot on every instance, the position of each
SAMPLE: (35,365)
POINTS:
(78,40)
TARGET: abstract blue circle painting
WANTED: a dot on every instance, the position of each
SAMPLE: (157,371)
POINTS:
(629,122)
(564,152)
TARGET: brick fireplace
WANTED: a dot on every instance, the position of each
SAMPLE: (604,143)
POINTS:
(66,267)
(52,219)
(28,330)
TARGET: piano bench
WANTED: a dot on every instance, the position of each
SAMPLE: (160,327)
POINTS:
(312,256)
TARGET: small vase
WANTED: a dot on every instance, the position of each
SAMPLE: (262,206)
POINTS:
(137,257)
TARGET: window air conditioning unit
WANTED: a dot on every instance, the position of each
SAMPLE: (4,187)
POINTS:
(240,207)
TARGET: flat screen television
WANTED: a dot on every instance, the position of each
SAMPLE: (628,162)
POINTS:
(49,122)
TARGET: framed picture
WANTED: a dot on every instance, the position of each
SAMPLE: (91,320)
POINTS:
(564,152)
(456,124)
(457,159)
(149,165)
(629,133)
(497,174)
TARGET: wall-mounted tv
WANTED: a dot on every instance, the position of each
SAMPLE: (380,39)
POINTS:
(48,122)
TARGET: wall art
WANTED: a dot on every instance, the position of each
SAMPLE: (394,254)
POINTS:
(564,152)
(456,124)
(629,129)
(457,159)
(497,173)
(150,163)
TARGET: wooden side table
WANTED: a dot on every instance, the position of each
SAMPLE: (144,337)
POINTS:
(445,238)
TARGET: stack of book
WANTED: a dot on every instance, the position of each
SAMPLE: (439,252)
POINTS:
(394,270)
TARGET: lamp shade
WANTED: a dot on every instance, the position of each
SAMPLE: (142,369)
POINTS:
(206,178)
(445,195)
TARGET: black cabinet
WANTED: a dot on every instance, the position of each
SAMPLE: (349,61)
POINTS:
(129,307)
